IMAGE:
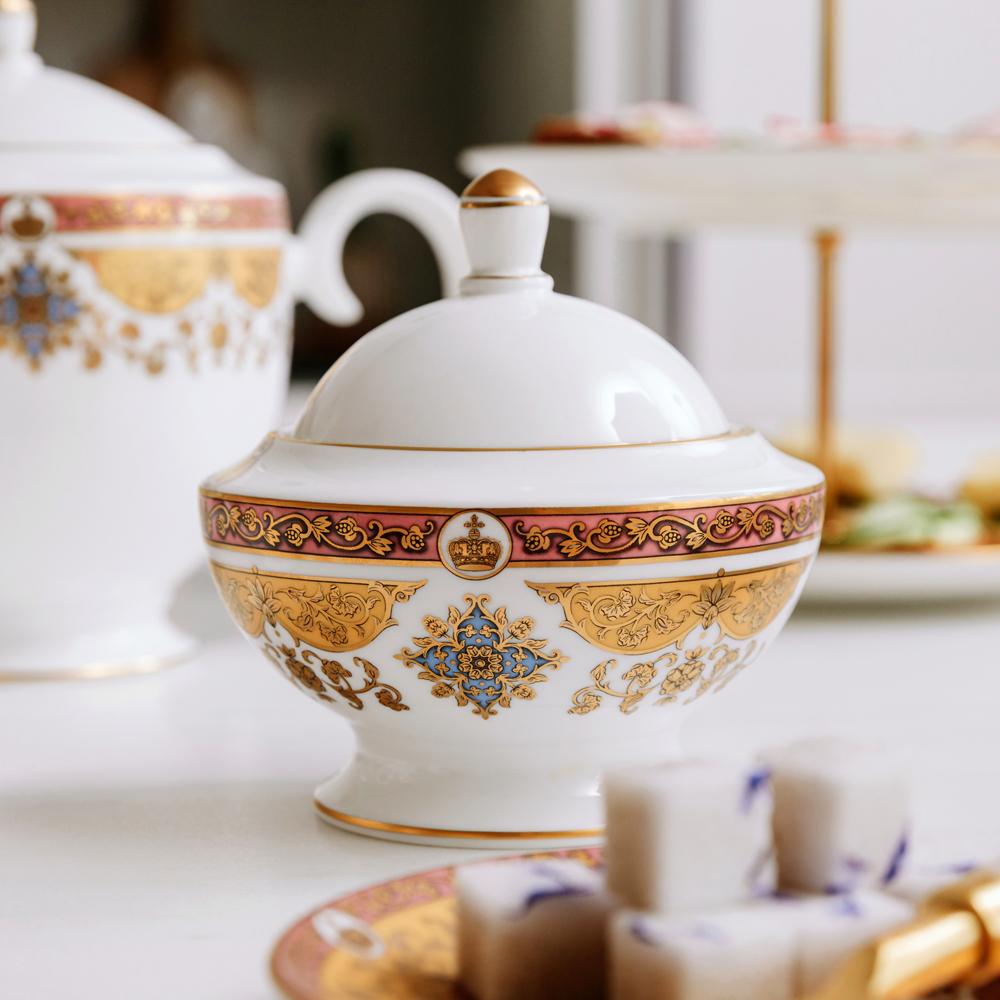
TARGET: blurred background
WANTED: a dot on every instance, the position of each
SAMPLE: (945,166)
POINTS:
(308,90)
(170,817)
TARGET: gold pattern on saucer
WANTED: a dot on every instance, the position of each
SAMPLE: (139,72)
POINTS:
(334,615)
(480,657)
(394,940)
(669,676)
(947,945)
(324,678)
(423,963)
(643,616)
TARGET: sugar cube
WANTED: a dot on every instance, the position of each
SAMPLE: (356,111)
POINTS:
(828,929)
(727,954)
(840,816)
(916,882)
(688,835)
(532,929)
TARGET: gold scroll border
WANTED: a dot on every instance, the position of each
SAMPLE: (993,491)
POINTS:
(511,511)
(108,212)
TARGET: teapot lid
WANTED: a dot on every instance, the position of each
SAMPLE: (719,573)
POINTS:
(509,364)
(42,106)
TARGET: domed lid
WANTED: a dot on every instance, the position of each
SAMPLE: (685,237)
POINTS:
(509,364)
(44,106)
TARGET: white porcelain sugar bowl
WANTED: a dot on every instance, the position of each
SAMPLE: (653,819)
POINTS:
(510,539)
(146,292)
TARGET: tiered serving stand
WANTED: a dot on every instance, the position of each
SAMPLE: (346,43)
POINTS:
(826,192)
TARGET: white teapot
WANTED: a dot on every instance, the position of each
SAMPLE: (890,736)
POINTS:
(146,293)
(511,537)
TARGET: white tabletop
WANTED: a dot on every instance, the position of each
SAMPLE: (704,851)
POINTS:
(157,833)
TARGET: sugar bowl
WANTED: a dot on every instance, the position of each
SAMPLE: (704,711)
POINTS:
(512,538)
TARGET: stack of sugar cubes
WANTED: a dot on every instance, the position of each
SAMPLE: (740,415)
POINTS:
(721,883)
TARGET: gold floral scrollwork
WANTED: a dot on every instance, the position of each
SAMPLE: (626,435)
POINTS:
(673,532)
(165,279)
(481,658)
(333,678)
(292,530)
(152,279)
(674,676)
(254,273)
(638,617)
(334,615)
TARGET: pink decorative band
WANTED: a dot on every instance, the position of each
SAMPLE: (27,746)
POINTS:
(552,536)
(34,215)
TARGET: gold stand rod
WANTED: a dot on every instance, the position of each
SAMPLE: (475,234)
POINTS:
(826,243)
(828,38)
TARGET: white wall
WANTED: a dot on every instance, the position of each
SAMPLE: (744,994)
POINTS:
(920,320)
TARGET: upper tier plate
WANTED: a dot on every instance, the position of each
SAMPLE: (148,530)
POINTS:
(659,191)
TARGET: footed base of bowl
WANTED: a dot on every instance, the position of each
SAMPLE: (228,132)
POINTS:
(142,649)
(464,805)
(438,837)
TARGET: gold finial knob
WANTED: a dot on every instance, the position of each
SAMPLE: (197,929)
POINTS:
(500,188)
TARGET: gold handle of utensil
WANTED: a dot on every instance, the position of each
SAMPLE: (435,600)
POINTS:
(955,939)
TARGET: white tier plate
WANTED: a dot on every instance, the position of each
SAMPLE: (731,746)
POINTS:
(971,574)
(660,191)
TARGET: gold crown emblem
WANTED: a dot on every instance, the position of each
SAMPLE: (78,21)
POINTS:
(28,226)
(473,552)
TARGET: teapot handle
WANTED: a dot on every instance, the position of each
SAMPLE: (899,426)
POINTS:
(426,203)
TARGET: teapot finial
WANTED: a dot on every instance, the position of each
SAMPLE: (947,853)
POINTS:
(501,186)
(18,25)
(504,220)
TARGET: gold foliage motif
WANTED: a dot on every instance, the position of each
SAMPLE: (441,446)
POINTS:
(644,616)
(254,273)
(334,615)
(152,279)
(165,279)
(680,674)
(46,308)
(333,678)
